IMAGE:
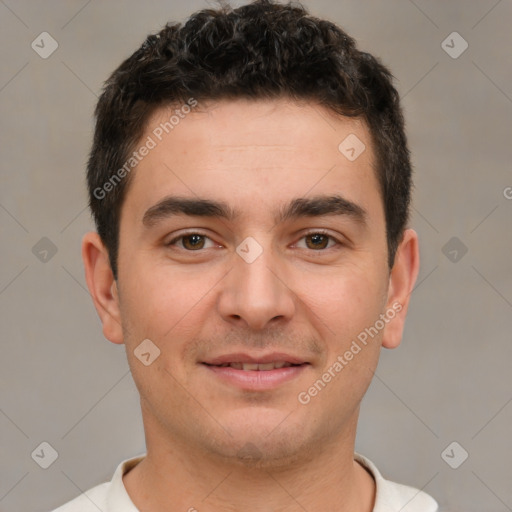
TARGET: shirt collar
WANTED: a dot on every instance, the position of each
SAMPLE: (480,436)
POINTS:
(118,500)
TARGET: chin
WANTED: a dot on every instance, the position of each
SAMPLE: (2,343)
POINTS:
(263,440)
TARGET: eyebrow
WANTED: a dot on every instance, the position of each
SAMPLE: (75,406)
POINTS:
(316,206)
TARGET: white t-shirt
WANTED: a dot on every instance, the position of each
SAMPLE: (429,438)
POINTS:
(112,496)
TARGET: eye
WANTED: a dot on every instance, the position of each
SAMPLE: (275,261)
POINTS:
(319,240)
(190,241)
(195,241)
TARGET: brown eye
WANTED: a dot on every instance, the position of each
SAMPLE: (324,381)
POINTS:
(317,241)
(193,242)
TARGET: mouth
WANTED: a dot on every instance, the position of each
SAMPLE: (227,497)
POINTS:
(256,373)
(256,367)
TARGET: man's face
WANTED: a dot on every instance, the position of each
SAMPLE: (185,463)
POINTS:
(254,286)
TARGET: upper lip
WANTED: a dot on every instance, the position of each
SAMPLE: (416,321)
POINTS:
(247,358)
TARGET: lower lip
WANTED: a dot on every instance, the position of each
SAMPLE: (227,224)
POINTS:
(257,380)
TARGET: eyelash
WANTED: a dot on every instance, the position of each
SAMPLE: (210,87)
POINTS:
(315,232)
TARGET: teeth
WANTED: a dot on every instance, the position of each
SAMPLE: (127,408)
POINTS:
(266,366)
(258,366)
(249,366)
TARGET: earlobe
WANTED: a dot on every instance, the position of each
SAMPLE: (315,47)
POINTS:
(401,283)
(102,286)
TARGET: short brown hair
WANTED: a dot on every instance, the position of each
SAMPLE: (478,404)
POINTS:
(262,50)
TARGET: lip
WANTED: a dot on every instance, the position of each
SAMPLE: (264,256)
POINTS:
(240,357)
(256,380)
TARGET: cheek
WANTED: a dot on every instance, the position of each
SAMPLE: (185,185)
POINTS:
(342,308)
(169,306)
(154,297)
(165,309)
(343,303)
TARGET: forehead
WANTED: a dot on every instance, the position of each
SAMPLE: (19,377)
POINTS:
(253,151)
(274,126)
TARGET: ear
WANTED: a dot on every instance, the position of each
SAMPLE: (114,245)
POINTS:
(401,283)
(102,286)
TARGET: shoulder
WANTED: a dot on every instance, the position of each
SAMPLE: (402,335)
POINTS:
(391,496)
(107,496)
(89,501)
(409,499)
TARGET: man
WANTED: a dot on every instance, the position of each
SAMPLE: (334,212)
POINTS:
(250,183)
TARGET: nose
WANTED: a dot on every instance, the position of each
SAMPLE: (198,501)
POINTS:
(256,293)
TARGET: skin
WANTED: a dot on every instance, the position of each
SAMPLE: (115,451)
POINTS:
(256,156)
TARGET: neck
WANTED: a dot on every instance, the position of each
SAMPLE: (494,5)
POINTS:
(176,478)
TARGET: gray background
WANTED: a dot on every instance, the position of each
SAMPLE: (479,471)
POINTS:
(63,383)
